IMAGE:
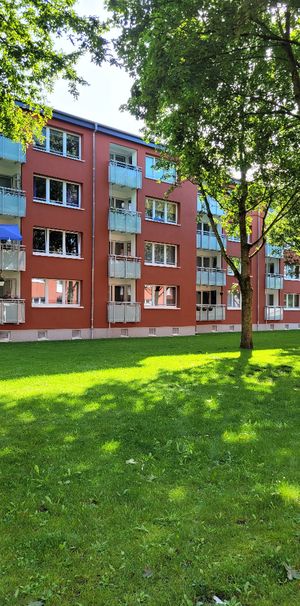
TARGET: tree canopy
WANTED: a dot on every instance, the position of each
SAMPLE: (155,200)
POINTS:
(31,33)
(218,84)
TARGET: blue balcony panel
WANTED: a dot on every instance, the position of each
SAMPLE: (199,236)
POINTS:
(125,221)
(213,204)
(210,276)
(123,312)
(12,202)
(275,252)
(208,241)
(274,281)
(10,150)
(124,175)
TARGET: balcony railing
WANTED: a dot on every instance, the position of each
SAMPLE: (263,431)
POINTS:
(12,257)
(274,281)
(273,313)
(124,175)
(124,267)
(126,221)
(123,312)
(207,276)
(273,251)
(210,313)
(208,241)
(12,311)
(12,202)
(213,205)
(10,150)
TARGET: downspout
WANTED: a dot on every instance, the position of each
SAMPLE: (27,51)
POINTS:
(93,232)
(257,286)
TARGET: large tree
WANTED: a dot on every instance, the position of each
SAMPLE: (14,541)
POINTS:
(218,85)
(33,34)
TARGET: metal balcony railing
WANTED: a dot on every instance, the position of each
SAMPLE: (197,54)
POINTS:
(273,312)
(210,313)
(125,221)
(208,241)
(124,267)
(274,281)
(123,312)
(12,311)
(12,257)
(207,276)
(275,252)
(125,175)
(12,202)
(10,150)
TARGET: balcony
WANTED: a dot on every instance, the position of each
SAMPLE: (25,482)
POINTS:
(208,241)
(124,175)
(126,221)
(207,276)
(210,313)
(10,150)
(123,312)
(274,281)
(12,202)
(275,252)
(124,267)
(273,313)
(213,204)
(12,311)
(12,257)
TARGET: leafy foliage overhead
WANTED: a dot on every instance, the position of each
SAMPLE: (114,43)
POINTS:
(32,33)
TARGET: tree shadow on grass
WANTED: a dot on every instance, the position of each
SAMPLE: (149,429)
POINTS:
(191,475)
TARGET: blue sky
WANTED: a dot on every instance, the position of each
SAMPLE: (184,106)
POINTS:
(109,87)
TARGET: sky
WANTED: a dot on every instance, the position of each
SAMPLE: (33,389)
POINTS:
(109,87)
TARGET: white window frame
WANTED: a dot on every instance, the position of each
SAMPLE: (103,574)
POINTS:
(164,306)
(288,276)
(164,264)
(64,254)
(56,305)
(64,152)
(165,202)
(291,307)
(64,200)
(231,298)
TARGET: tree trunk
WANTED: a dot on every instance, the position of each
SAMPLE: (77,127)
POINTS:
(247,296)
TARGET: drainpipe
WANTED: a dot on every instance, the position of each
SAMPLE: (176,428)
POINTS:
(257,286)
(93,232)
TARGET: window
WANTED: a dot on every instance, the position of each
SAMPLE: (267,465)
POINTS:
(53,191)
(270,300)
(160,254)
(237,262)
(161,210)
(292,301)
(234,299)
(9,289)
(121,157)
(120,203)
(206,297)
(121,293)
(120,249)
(55,292)
(160,296)
(207,262)
(292,272)
(56,242)
(168,175)
(59,142)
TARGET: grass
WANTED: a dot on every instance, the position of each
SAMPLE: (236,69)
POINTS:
(150,471)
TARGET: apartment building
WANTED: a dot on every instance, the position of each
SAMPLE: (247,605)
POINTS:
(96,243)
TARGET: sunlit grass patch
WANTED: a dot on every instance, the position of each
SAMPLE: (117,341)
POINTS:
(158,472)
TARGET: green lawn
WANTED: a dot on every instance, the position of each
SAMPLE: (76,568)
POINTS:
(150,471)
